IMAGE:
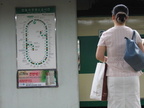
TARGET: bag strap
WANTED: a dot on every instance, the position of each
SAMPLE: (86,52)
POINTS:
(134,36)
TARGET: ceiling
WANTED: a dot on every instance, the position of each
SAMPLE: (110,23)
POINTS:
(104,7)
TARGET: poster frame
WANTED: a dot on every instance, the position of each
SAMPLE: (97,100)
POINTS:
(37,10)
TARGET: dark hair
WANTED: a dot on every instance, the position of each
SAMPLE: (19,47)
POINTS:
(121,12)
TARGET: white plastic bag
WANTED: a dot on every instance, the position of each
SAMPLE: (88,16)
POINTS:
(97,84)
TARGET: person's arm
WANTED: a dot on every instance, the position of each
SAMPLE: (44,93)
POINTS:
(100,53)
(139,41)
(141,46)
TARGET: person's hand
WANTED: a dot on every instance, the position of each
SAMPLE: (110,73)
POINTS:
(105,59)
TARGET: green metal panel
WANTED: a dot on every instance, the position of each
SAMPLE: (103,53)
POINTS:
(88,46)
(91,104)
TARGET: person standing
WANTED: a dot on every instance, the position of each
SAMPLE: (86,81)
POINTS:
(123,80)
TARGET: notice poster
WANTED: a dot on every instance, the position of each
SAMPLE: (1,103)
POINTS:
(37,78)
(36,46)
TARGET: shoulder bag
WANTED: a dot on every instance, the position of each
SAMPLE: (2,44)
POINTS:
(134,56)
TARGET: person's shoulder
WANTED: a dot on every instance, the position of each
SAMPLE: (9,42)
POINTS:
(127,27)
(106,34)
(131,29)
(108,31)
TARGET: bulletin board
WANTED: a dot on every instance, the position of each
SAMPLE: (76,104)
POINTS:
(36,45)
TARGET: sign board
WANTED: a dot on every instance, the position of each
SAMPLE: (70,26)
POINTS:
(36,43)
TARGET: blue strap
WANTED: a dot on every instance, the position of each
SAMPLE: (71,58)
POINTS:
(134,36)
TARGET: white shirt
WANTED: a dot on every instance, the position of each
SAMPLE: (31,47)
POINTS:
(114,40)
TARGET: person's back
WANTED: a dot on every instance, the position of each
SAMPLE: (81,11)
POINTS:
(116,44)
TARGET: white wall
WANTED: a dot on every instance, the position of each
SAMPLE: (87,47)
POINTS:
(64,96)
